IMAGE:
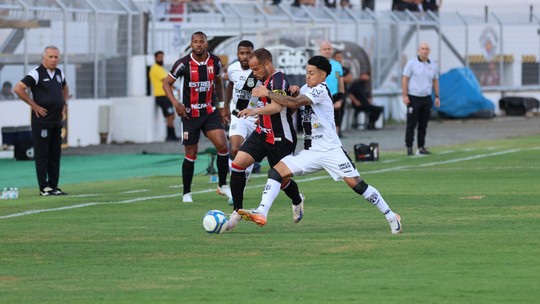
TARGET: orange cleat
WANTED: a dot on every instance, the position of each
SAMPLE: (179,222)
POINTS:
(253,215)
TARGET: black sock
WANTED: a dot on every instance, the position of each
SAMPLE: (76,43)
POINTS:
(222,168)
(292,192)
(170,133)
(238,184)
(188,167)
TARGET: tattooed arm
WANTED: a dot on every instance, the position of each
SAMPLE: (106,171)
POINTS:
(284,100)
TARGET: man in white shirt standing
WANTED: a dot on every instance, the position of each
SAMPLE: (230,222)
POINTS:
(420,78)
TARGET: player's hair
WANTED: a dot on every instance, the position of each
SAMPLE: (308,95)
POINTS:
(263,55)
(199,33)
(321,63)
(336,53)
(245,43)
(158,53)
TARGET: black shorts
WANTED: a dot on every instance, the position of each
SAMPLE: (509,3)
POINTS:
(256,146)
(193,127)
(166,106)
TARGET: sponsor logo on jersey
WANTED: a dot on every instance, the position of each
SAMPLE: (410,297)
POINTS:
(200,86)
(198,106)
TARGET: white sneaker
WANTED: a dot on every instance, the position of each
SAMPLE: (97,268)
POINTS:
(226,191)
(298,210)
(186,198)
(234,218)
(395,224)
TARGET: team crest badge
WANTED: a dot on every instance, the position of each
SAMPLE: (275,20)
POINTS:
(250,82)
(44,133)
(58,78)
(316,126)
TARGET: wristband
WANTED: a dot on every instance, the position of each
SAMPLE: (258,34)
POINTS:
(221,104)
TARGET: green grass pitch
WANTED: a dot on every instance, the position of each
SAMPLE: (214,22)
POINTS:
(471,218)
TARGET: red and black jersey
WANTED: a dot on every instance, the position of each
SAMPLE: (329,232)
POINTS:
(278,126)
(198,82)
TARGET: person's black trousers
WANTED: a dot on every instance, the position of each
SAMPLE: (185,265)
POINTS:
(418,113)
(47,153)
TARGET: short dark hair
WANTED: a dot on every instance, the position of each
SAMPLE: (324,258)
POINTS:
(245,43)
(321,63)
(199,33)
(158,53)
(263,55)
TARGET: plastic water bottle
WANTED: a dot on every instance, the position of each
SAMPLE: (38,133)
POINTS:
(15,193)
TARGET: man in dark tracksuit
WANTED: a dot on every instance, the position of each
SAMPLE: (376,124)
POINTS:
(48,103)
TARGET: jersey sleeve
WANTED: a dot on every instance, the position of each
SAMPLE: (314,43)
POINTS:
(178,68)
(317,94)
(31,79)
(279,84)
(407,71)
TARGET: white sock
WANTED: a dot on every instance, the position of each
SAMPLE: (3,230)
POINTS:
(373,196)
(271,191)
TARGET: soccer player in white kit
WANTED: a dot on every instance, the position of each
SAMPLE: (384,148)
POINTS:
(322,147)
(238,97)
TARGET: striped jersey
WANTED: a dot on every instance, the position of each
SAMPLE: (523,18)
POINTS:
(278,126)
(198,85)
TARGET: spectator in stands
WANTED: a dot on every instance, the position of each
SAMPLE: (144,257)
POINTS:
(7,92)
(432,5)
(330,3)
(411,5)
(345,4)
(297,3)
(362,101)
(368,4)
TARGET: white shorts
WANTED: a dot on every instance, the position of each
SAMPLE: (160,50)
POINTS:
(242,126)
(336,162)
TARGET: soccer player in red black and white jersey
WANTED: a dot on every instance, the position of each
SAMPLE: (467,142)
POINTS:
(274,137)
(201,71)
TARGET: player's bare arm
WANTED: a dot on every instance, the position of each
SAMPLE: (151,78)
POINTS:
(281,98)
(225,112)
(289,101)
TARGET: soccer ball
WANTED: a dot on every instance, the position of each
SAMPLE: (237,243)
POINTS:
(215,221)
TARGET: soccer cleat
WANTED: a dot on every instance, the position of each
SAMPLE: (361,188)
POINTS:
(395,224)
(298,210)
(422,151)
(46,191)
(234,218)
(409,151)
(253,215)
(58,191)
(226,191)
(186,198)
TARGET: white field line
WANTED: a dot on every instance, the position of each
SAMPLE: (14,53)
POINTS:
(299,180)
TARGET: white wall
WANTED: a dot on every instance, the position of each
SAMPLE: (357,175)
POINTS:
(131,119)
